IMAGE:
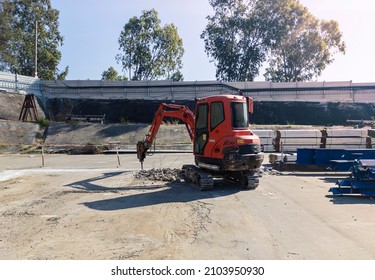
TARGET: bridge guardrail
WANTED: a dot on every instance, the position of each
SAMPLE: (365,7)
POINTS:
(344,91)
(20,84)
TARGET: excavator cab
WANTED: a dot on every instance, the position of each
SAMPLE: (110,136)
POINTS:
(223,140)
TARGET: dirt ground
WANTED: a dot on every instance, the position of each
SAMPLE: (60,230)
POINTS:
(87,207)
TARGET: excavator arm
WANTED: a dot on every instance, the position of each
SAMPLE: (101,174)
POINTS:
(180,112)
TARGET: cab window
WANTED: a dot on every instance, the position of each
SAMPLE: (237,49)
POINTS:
(239,115)
(201,116)
(216,114)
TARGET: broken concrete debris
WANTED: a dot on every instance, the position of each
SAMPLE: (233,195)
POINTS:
(174,174)
(163,174)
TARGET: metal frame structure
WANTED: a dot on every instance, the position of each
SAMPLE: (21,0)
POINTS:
(29,109)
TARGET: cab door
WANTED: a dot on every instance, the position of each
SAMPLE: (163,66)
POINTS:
(201,129)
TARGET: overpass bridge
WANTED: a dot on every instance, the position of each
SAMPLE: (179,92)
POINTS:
(345,91)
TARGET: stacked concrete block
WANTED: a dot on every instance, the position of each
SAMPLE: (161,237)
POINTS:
(370,138)
(345,138)
(291,140)
(266,139)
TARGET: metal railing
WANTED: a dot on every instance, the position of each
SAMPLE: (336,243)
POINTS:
(20,84)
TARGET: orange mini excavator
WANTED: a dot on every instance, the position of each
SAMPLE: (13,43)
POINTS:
(223,144)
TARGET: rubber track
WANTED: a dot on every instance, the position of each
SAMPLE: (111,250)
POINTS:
(252,181)
(246,180)
(201,179)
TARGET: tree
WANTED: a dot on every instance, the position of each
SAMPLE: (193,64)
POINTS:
(62,75)
(233,40)
(301,46)
(243,34)
(20,19)
(177,76)
(150,51)
(111,75)
(4,30)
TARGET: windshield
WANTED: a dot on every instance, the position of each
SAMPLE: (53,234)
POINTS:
(239,115)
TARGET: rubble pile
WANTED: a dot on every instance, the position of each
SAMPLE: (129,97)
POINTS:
(173,174)
(164,174)
(263,170)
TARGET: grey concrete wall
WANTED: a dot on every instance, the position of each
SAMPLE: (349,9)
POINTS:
(15,132)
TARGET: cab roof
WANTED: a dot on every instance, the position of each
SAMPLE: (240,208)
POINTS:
(221,97)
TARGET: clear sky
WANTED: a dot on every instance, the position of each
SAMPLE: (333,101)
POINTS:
(91,29)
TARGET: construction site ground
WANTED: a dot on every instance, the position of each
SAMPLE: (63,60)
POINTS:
(89,207)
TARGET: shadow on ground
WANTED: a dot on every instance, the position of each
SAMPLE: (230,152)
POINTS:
(150,194)
(351,199)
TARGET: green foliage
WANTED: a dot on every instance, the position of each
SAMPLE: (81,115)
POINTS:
(111,75)
(5,34)
(244,34)
(177,76)
(18,25)
(62,75)
(150,51)
(302,46)
(233,40)
(43,122)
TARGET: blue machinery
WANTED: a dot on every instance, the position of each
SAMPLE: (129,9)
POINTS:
(360,162)
(361,180)
(334,159)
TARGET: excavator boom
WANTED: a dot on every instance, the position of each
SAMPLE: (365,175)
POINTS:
(181,112)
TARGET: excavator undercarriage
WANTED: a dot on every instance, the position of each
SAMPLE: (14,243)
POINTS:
(204,179)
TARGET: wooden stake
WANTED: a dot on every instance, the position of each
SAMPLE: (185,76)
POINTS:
(42,156)
(118,157)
